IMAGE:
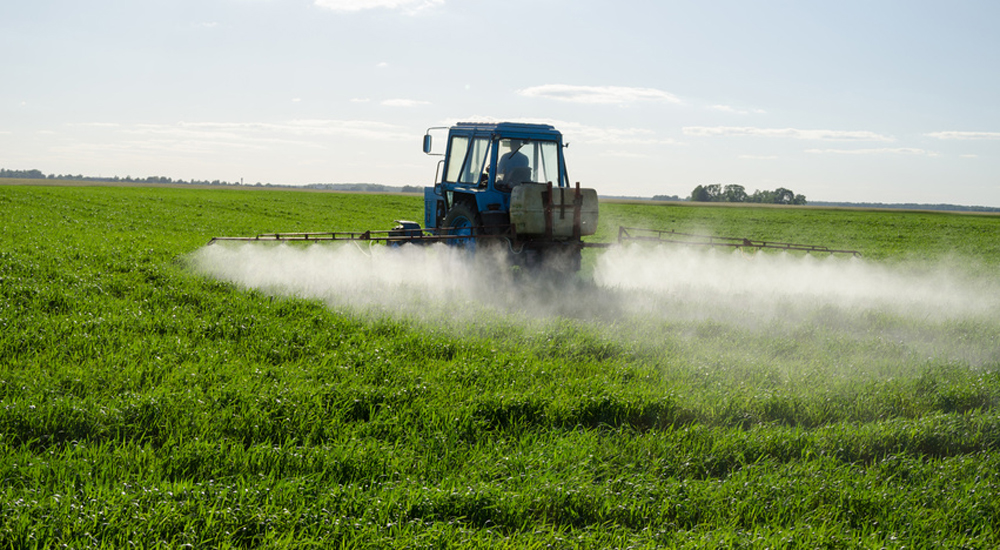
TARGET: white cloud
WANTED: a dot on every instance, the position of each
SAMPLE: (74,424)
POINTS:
(623,154)
(597,94)
(404,102)
(351,6)
(622,136)
(192,142)
(255,134)
(793,133)
(881,151)
(965,135)
(969,156)
(734,110)
(574,132)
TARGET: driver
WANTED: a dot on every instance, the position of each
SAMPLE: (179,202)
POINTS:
(510,162)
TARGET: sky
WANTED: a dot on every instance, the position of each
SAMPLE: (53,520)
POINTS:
(855,100)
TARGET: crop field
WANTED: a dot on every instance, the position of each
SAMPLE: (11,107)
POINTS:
(156,392)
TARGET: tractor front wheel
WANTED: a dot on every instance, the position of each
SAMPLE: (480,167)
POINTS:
(460,222)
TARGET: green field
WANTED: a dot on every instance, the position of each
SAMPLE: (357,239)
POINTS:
(146,403)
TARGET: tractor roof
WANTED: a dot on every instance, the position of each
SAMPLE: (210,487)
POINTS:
(510,129)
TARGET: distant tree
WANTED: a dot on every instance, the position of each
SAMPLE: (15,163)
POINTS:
(25,174)
(783,196)
(707,193)
(734,193)
(778,196)
(764,197)
(699,194)
(737,193)
(714,192)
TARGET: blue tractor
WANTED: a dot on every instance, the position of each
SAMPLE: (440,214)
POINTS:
(506,184)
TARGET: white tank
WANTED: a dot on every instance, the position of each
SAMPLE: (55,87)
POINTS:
(527,210)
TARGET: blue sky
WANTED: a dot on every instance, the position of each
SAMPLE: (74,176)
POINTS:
(882,101)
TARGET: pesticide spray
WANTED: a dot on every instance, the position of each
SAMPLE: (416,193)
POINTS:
(943,311)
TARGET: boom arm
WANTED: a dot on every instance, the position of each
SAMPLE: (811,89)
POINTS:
(626,234)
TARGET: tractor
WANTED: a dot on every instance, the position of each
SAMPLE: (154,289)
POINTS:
(506,184)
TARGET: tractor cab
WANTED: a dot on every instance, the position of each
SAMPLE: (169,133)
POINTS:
(482,165)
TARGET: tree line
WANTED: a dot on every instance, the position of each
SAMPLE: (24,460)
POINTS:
(366,187)
(37,174)
(737,193)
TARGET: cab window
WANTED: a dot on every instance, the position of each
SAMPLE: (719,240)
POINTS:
(524,160)
(467,160)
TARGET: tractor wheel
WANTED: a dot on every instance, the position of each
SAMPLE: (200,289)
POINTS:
(461,221)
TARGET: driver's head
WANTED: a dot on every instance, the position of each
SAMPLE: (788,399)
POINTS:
(514,144)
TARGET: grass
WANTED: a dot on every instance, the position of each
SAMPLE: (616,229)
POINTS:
(143,404)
